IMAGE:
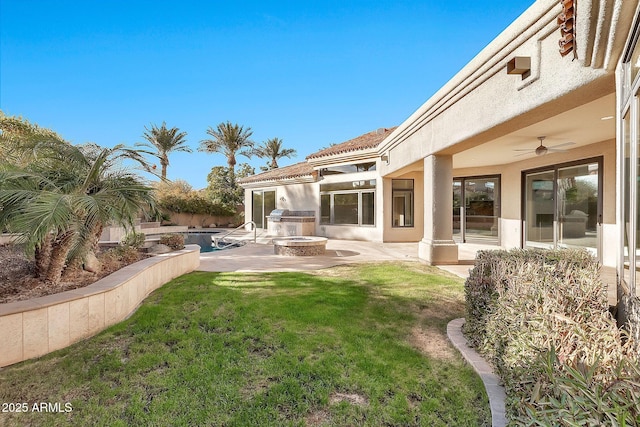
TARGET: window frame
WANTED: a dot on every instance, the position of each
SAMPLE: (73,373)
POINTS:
(411,193)
(360,214)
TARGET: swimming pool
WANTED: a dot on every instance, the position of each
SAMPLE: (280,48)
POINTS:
(203,239)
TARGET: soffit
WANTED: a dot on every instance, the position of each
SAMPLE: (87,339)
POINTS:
(582,125)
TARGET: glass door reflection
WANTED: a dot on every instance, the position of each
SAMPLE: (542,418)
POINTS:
(539,209)
(476,209)
(578,206)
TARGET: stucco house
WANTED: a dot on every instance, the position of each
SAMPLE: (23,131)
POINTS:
(534,143)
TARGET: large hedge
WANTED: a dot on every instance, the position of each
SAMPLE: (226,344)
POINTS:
(542,319)
(193,203)
(179,197)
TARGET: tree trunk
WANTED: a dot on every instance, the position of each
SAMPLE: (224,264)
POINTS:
(88,245)
(43,256)
(59,252)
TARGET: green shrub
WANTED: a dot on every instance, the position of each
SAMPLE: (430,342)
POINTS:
(523,303)
(134,240)
(174,241)
(193,203)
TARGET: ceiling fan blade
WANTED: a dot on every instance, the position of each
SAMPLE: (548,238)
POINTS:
(525,149)
(555,150)
(522,154)
(561,145)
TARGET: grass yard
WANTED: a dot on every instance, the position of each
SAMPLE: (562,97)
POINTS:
(352,345)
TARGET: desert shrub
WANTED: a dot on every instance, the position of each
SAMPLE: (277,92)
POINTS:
(494,271)
(115,258)
(577,395)
(174,241)
(523,304)
(134,240)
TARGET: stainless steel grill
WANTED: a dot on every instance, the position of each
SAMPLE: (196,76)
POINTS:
(277,214)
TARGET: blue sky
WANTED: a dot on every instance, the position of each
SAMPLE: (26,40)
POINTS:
(309,72)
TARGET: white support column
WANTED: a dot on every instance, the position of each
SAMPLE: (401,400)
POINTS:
(437,245)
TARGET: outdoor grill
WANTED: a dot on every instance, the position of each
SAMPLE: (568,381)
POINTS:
(277,214)
(283,222)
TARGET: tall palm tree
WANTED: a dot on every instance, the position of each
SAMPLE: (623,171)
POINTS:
(229,140)
(273,150)
(164,141)
(59,203)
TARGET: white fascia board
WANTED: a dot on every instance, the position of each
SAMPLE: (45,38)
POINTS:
(279,182)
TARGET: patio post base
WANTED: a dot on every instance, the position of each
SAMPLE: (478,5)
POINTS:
(438,252)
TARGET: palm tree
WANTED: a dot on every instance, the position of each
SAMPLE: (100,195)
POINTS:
(229,140)
(60,202)
(18,138)
(164,141)
(273,150)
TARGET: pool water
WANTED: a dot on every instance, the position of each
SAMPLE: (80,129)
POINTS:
(203,239)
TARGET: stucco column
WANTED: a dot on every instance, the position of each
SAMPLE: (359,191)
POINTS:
(437,245)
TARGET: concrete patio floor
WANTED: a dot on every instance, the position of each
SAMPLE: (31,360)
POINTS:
(254,257)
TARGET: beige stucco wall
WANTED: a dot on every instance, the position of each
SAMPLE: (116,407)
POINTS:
(306,197)
(404,234)
(39,326)
(294,196)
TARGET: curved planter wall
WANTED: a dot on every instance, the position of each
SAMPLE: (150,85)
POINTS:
(39,326)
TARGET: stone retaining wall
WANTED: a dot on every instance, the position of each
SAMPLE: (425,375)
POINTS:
(39,326)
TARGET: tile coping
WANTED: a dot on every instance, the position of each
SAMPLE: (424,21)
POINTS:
(106,283)
(491,381)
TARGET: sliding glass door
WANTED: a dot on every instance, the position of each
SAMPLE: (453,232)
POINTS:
(562,206)
(476,209)
(263,202)
(539,209)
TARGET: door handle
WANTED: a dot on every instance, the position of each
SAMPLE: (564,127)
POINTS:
(600,219)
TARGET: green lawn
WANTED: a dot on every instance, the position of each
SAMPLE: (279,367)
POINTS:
(351,345)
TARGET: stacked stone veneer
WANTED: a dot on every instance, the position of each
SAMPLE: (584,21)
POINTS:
(39,326)
(303,247)
(299,250)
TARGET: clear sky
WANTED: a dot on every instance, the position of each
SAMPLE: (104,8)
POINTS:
(309,72)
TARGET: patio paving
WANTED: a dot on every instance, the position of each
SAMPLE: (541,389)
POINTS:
(254,257)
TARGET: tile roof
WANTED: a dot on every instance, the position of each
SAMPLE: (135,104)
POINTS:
(286,172)
(362,142)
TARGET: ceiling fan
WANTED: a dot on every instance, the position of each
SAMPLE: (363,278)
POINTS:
(541,150)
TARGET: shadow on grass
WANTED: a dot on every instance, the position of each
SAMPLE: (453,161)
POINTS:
(323,348)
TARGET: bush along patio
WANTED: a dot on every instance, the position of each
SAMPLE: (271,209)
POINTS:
(542,319)
(351,345)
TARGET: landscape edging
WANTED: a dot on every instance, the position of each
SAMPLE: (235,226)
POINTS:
(491,381)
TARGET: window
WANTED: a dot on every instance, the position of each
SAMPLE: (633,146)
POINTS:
(402,206)
(348,203)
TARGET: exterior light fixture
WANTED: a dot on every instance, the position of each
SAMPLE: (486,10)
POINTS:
(520,65)
(385,158)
